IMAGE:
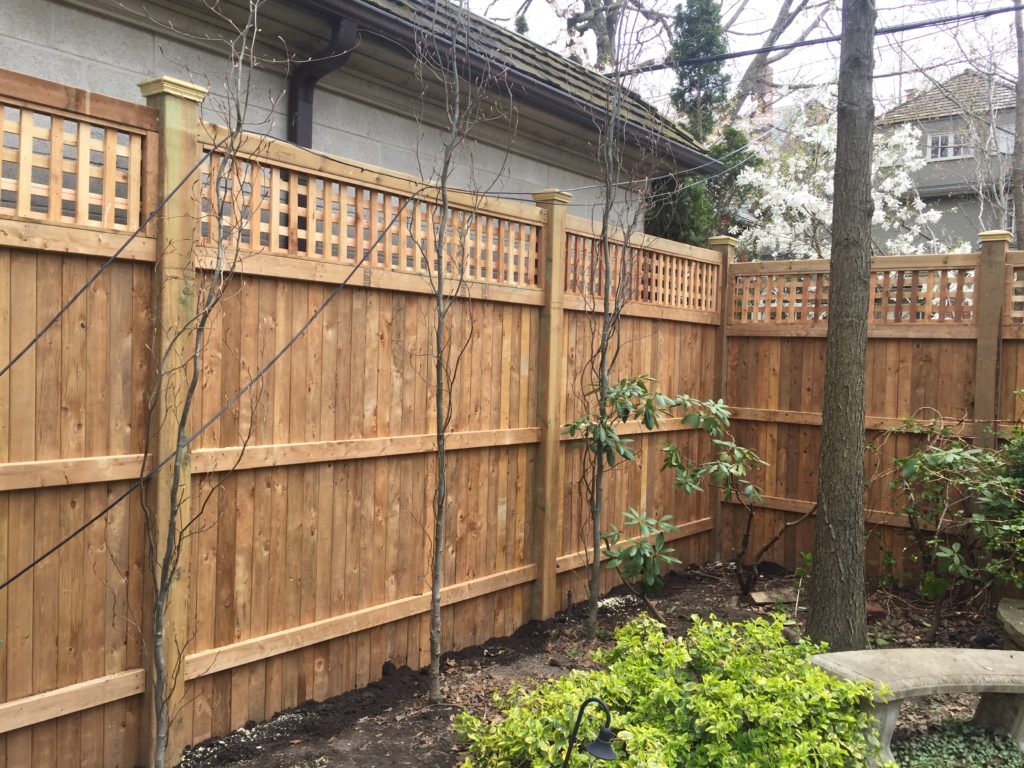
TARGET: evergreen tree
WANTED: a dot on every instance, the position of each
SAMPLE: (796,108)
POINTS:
(685,208)
(701,90)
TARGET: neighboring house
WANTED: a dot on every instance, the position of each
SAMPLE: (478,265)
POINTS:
(359,98)
(967,126)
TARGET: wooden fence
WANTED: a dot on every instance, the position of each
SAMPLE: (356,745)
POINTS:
(308,569)
(944,337)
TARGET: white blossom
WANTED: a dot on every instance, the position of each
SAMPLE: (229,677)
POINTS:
(793,188)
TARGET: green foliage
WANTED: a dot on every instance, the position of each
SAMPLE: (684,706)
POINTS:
(629,399)
(700,89)
(682,210)
(726,696)
(806,566)
(731,463)
(966,508)
(691,210)
(634,399)
(959,745)
(521,26)
(640,560)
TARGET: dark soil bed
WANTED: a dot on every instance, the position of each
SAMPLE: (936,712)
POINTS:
(390,723)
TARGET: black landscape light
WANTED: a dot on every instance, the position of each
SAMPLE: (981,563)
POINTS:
(601,747)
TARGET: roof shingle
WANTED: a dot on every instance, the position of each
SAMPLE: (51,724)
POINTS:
(970,92)
(520,56)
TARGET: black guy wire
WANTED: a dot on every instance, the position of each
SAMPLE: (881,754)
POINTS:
(223,409)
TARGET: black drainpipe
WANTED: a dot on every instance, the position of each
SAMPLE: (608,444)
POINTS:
(304,77)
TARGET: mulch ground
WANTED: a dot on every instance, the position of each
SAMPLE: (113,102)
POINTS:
(390,723)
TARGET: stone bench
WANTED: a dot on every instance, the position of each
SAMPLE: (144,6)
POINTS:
(911,672)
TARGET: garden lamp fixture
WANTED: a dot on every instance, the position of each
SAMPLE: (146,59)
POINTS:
(601,747)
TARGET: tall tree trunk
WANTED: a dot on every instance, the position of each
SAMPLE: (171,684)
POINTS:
(837,591)
(1017,168)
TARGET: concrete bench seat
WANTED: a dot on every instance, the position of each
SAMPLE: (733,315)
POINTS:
(911,672)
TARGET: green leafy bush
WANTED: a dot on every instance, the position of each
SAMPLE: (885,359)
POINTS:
(727,696)
(965,507)
(639,560)
(958,745)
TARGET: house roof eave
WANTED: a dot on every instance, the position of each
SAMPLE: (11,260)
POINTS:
(395,29)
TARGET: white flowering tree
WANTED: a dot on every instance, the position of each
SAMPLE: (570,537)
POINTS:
(791,192)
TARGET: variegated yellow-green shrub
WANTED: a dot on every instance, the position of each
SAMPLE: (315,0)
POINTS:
(725,696)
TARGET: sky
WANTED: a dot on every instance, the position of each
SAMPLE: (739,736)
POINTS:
(939,51)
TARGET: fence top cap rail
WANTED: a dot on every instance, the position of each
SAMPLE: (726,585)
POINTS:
(172,86)
(310,161)
(995,236)
(76,103)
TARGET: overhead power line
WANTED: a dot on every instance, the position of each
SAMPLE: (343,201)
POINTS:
(697,61)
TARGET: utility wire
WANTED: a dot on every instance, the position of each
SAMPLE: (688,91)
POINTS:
(107,264)
(223,409)
(697,61)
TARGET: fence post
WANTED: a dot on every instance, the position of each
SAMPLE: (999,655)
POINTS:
(174,294)
(988,298)
(548,490)
(726,246)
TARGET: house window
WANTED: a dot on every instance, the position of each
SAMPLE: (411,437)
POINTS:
(947,146)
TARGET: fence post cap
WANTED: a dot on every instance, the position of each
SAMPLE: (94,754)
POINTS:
(728,240)
(172,86)
(995,236)
(551,196)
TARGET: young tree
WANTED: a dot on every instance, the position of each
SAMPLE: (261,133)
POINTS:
(837,614)
(1017,171)
(466,99)
(203,228)
(613,269)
